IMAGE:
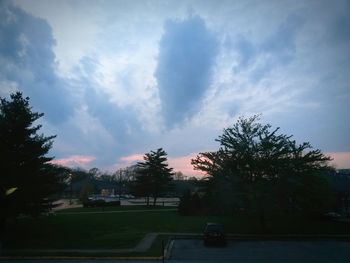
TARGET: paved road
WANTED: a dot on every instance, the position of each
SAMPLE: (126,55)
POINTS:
(193,250)
(262,251)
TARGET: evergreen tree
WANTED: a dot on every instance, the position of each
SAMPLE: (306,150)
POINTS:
(154,175)
(23,161)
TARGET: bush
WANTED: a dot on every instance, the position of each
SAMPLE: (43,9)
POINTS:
(191,204)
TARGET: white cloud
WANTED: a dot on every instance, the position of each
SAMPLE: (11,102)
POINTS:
(301,82)
(128,79)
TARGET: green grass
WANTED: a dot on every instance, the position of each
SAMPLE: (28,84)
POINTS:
(154,251)
(125,230)
(109,230)
(112,208)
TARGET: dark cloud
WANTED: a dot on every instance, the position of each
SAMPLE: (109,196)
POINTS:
(187,51)
(281,43)
(26,58)
(279,46)
(340,29)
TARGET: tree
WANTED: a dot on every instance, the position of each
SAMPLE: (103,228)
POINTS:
(190,204)
(23,160)
(154,175)
(122,178)
(86,189)
(257,168)
(95,172)
(179,176)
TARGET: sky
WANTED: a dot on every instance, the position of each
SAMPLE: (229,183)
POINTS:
(117,79)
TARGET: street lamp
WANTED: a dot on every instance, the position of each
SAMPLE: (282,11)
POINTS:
(71,188)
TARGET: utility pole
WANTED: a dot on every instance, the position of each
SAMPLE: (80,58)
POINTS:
(71,189)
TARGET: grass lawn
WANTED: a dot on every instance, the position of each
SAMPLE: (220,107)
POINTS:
(113,208)
(109,230)
(125,230)
(155,251)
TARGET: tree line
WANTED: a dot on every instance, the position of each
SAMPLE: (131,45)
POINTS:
(28,179)
(255,168)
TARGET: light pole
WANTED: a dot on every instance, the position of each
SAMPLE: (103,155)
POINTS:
(71,189)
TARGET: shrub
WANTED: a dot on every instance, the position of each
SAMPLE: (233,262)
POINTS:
(191,204)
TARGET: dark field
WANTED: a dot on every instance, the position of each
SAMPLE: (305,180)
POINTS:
(110,229)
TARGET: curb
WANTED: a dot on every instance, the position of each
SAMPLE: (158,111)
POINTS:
(173,236)
(168,248)
(79,258)
(286,236)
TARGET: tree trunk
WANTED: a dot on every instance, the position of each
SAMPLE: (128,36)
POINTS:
(262,221)
(2,231)
(154,200)
(147,199)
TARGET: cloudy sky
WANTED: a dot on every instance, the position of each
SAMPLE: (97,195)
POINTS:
(117,79)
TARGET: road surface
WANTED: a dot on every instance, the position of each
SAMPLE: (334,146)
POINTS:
(192,250)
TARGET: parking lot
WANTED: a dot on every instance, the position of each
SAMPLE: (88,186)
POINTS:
(193,250)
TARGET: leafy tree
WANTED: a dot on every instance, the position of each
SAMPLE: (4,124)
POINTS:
(23,160)
(256,168)
(154,175)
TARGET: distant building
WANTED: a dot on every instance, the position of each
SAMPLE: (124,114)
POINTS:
(340,182)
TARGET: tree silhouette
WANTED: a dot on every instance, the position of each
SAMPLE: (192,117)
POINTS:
(23,161)
(257,168)
(154,175)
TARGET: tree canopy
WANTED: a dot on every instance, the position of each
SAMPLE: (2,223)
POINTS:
(154,175)
(258,168)
(24,162)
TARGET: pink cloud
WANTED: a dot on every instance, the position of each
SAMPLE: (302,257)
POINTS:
(183,164)
(74,160)
(132,158)
(125,161)
(340,159)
